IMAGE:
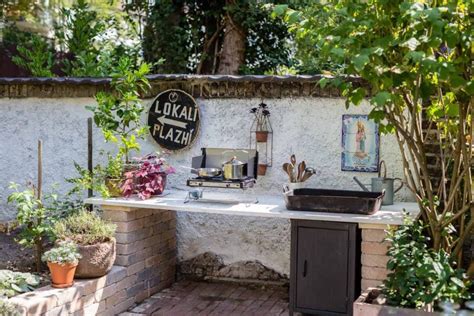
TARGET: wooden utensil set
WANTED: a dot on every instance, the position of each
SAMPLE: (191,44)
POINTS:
(297,173)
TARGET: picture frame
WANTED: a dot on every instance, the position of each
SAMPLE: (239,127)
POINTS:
(360,143)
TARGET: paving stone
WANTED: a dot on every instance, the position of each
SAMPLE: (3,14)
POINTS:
(203,298)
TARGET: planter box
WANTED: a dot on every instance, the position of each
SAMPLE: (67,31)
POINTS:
(362,307)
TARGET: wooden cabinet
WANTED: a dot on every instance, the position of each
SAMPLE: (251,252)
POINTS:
(325,267)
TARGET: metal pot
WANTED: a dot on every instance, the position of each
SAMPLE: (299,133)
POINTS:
(233,169)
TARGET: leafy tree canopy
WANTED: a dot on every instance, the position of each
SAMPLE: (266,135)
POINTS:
(416,58)
(191,35)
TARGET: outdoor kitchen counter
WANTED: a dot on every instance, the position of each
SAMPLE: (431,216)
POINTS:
(268,206)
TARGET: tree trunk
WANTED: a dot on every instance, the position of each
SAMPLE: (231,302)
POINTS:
(232,55)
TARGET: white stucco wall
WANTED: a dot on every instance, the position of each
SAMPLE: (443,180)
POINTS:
(308,127)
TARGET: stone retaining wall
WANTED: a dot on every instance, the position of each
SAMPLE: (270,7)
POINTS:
(145,264)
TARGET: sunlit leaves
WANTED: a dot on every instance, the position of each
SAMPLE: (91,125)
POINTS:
(420,275)
(381,98)
(118,114)
(360,61)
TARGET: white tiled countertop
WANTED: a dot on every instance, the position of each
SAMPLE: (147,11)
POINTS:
(267,206)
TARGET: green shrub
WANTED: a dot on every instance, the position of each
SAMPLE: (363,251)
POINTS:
(13,283)
(7,308)
(36,56)
(84,228)
(36,217)
(421,275)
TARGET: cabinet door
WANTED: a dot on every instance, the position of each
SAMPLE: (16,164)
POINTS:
(323,268)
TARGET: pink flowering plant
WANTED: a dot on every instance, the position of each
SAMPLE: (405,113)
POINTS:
(149,179)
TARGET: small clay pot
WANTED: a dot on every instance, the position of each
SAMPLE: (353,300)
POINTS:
(96,260)
(262,169)
(62,275)
(261,136)
(114,186)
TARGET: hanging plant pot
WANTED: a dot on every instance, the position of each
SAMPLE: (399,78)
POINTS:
(262,136)
(62,275)
(262,169)
(114,186)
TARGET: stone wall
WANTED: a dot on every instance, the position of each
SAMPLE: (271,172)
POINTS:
(145,264)
(306,121)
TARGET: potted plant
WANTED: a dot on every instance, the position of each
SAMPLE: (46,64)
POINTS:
(62,262)
(261,122)
(421,278)
(107,180)
(94,238)
(149,179)
(113,175)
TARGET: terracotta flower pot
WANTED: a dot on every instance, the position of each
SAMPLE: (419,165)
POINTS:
(261,136)
(62,275)
(96,260)
(262,169)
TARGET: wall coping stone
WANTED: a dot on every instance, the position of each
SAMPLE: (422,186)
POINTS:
(83,293)
(204,86)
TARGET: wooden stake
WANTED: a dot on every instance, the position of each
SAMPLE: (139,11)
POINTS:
(40,169)
(89,152)
(39,239)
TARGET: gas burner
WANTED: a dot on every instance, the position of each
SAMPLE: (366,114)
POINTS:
(219,182)
(214,158)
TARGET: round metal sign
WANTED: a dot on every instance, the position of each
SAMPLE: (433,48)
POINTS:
(173,119)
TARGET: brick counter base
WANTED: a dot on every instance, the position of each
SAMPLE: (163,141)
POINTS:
(374,255)
(145,264)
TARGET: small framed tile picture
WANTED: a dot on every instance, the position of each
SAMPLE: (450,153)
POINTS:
(360,143)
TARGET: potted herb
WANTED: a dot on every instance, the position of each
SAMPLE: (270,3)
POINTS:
(62,262)
(149,179)
(261,122)
(94,238)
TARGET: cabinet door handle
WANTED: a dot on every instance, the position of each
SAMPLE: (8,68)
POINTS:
(305,266)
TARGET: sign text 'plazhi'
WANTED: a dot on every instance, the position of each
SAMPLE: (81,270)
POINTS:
(174,119)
